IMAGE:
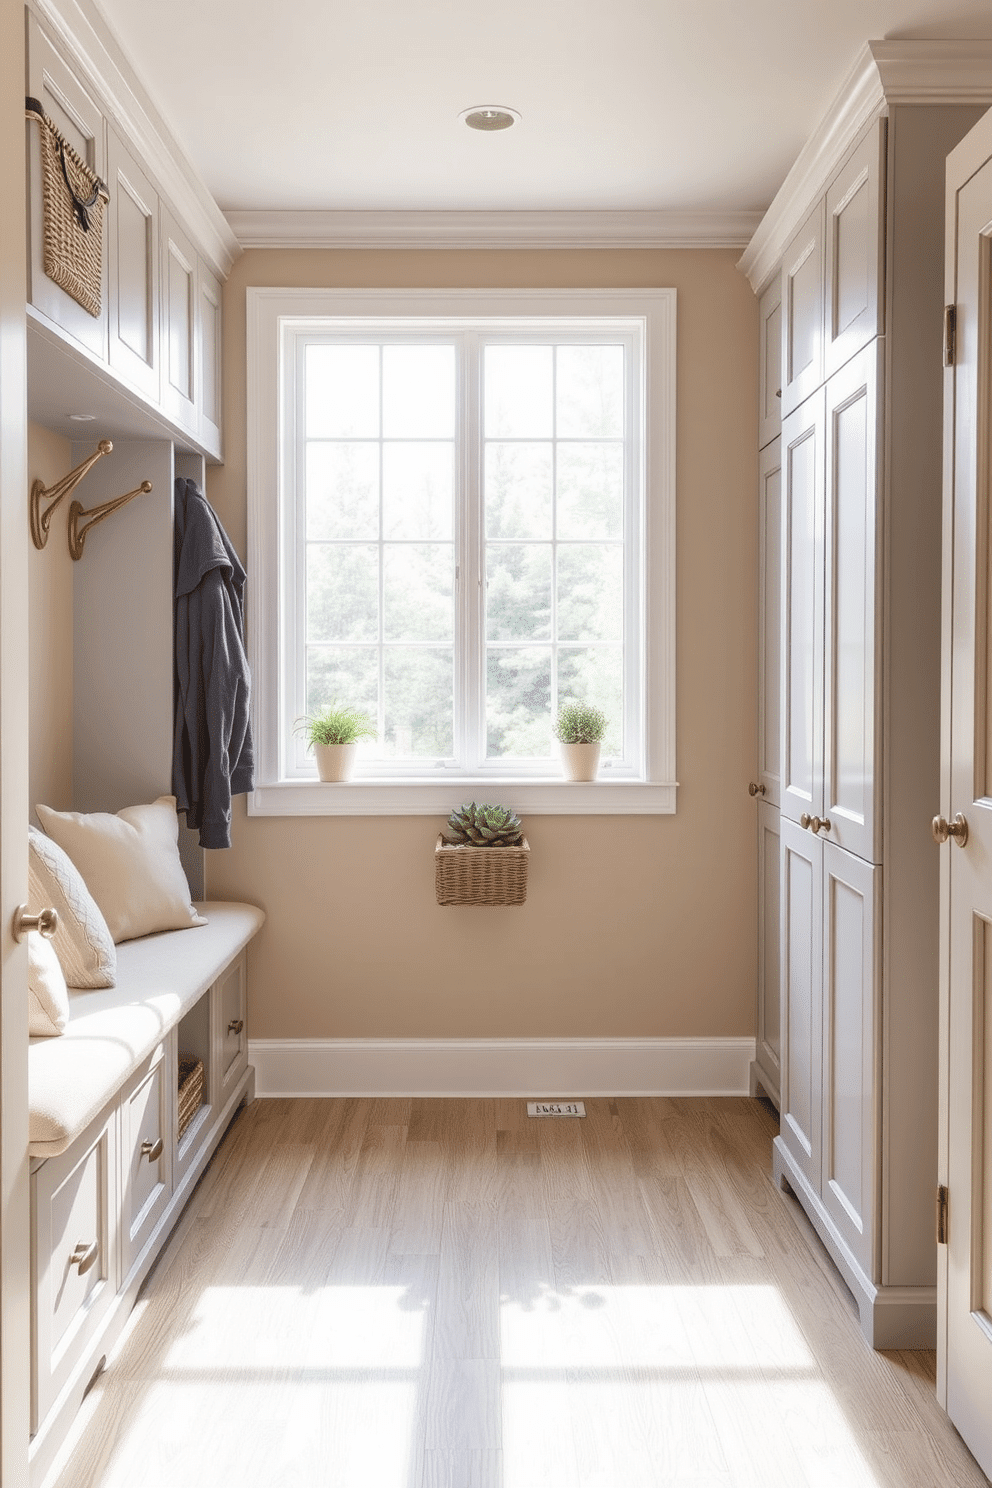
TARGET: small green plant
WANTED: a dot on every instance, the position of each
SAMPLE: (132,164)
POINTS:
(336,724)
(484,826)
(580,723)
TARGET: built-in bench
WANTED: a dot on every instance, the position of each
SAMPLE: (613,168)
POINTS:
(109,1172)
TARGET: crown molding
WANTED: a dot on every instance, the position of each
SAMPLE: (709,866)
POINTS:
(91,50)
(498,229)
(885,73)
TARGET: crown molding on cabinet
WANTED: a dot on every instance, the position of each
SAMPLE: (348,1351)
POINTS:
(884,73)
(89,47)
(497,229)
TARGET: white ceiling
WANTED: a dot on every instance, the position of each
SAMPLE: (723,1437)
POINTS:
(641,105)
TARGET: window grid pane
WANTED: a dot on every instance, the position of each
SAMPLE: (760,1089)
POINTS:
(585,658)
(378,615)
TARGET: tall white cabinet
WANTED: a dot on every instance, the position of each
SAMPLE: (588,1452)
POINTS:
(851,249)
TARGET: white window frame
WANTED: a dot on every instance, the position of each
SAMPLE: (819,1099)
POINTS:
(647,784)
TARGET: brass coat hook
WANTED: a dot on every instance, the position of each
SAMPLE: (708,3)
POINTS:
(77,532)
(41,521)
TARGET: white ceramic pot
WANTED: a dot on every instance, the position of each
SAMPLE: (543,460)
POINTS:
(579,761)
(335,762)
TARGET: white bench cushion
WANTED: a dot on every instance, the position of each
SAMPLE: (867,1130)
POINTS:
(112,1029)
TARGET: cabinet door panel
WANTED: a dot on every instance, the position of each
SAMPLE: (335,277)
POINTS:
(802,312)
(802,982)
(134,273)
(770,363)
(769,938)
(854,249)
(146,1153)
(851,899)
(802,598)
(179,307)
(74,1200)
(770,621)
(229,1000)
(852,741)
(71,108)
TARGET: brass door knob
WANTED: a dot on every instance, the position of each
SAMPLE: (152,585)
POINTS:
(46,922)
(755,790)
(820,824)
(958,829)
(805,822)
(236,1025)
(84,1256)
(152,1150)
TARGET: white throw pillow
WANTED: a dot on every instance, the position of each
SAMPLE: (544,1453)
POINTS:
(48,999)
(83,943)
(130,864)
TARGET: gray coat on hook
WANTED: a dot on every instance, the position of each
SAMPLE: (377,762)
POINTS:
(212,757)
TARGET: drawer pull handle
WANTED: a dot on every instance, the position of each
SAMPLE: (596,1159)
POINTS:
(236,1025)
(84,1256)
(152,1150)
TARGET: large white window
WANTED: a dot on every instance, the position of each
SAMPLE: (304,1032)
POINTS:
(461,515)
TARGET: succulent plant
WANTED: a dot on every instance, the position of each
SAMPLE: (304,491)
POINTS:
(484,826)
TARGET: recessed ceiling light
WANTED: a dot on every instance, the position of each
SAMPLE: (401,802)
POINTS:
(82,418)
(489,117)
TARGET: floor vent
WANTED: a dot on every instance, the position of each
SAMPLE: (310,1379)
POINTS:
(556,1108)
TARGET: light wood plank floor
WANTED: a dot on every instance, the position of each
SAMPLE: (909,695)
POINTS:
(443,1294)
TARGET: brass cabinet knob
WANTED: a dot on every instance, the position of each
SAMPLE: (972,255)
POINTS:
(755,790)
(958,829)
(805,822)
(820,824)
(152,1150)
(236,1025)
(84,1256)
(46,922)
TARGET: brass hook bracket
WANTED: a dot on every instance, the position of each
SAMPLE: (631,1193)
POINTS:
(41,521)
(78,531)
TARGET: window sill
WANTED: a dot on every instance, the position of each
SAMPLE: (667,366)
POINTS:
(439,797)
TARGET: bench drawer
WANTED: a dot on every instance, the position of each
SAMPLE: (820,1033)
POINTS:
(230,1002)
(146,1155)
(74,1257)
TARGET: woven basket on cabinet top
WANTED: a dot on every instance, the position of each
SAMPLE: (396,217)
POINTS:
(480,875)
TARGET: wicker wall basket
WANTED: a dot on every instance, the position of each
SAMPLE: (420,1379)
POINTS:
(73,199)
(480,875)
(190,1091)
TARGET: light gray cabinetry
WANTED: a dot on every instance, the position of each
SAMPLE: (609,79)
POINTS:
(860,462)
(134,273)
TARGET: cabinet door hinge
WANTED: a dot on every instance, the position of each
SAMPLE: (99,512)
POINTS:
(941,1215)
(950,334)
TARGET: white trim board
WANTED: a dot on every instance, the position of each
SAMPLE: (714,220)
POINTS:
(496,229)
(551,1068)
(884,73)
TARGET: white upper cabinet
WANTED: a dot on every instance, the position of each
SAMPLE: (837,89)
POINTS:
(134,272)
(802,601)
(854,249)
(770,363)
(802,312)
(158,334)
(180,379)
(852,717)
(78,117)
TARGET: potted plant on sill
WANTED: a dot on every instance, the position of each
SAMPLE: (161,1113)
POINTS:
(579,728)
(482,857)
(333,734)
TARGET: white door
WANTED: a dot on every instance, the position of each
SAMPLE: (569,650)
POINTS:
(801,758)
(14,1229)
(965,1265)
(801,972)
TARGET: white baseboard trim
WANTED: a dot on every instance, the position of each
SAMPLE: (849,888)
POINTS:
(553,1068)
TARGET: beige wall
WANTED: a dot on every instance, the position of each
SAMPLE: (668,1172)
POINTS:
(633,926)
(50,637)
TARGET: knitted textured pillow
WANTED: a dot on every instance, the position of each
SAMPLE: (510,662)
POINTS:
(83,943)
